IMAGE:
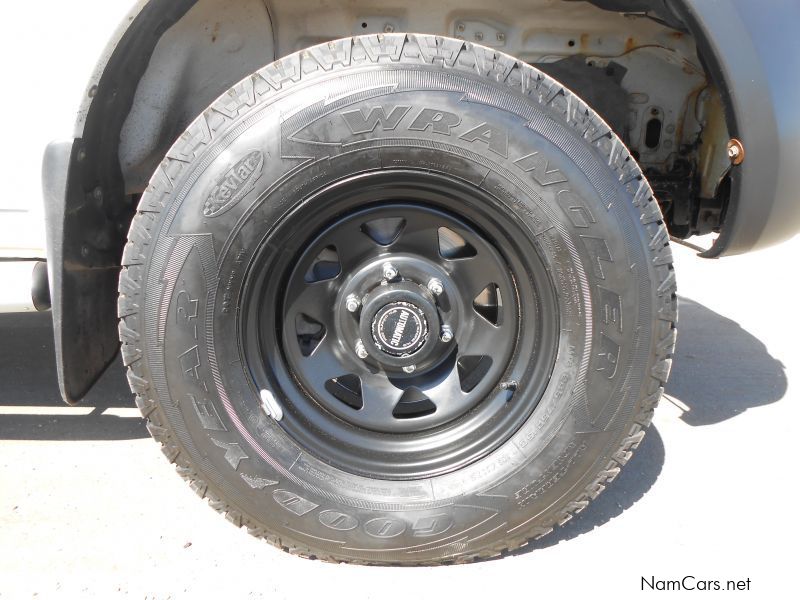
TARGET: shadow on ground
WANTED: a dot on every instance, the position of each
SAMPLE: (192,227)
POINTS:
(720,370)
(28,383)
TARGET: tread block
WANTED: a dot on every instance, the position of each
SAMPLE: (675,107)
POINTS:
(661,370)
(158,433)
(138,385)
(332,54)
(386,45)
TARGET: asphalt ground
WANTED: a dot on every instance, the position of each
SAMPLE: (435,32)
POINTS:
(90,508)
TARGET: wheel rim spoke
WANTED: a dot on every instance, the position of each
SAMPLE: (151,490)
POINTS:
(446,391)
(352,244)
(472,275)
(312,299)
(391,344)
(419,236)
(323,364)
(379,397)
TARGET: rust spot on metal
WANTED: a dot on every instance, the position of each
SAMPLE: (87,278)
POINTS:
(676,35)
(735,151)
(630,44)
(584,41)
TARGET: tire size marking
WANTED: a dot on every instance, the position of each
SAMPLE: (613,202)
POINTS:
(532,433)
(306,469)
(228,295)
(551,475)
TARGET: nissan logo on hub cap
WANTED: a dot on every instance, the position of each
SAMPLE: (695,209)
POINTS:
(399,329)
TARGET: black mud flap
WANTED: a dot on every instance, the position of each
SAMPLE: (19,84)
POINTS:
(83,282)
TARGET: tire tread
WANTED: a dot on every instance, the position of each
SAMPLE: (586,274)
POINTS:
(412,49)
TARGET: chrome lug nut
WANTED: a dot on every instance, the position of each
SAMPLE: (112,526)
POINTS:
(389,271)
(352,303)
(410,368)
(446,335)
(435,286)
(361,351)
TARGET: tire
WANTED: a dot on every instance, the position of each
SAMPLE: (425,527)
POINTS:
(428,132)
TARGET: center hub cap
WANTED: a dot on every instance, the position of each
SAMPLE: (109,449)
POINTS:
(399,326)
(399,329)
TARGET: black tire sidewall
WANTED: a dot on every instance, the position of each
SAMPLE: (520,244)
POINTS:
(586,230)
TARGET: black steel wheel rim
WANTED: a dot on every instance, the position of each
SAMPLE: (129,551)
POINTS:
(404,320)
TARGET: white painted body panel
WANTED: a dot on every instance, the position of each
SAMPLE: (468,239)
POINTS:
(16,279)
(49,52)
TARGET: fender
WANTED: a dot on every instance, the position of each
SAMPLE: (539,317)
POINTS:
(753,54)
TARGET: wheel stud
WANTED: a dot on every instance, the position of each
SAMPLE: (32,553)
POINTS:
(409,368)
(446,335)
(352,303)
(435,286)
(389,271)
(361,351)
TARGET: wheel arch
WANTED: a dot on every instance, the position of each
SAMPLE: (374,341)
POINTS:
(123,131)
(87,212)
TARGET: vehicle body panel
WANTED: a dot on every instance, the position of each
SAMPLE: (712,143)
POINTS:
(757,53)
(749,50)
(49,74)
